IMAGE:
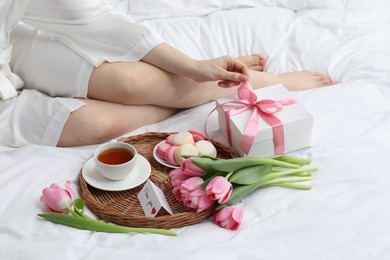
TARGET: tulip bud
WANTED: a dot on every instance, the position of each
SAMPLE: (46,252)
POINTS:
(57,198)
(229,217)
(194,197)
(176,177)
(219,188)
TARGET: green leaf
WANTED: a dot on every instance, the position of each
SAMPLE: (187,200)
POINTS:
(98,226)
(211,175)
(274,179)
(232,165)
(204,163)
(78,207)
(250,175)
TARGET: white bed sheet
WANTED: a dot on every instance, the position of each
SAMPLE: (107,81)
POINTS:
(345,216)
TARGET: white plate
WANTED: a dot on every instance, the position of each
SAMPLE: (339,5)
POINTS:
(138,175)
(160,160)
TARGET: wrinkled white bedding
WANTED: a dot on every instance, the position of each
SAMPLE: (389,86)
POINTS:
(345,216)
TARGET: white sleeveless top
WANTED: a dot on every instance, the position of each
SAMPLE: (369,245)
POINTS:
(91,28)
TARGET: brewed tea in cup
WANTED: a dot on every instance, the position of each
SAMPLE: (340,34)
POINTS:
(115,160)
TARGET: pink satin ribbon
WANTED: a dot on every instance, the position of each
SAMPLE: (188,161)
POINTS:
(265,108)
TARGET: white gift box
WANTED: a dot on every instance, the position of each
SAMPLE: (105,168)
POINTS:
(297,123)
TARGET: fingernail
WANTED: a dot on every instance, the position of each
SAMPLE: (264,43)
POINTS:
(243,77)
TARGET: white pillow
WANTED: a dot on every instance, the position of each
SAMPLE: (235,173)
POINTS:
(141,10)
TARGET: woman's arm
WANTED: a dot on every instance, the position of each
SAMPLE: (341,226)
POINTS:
(227,70)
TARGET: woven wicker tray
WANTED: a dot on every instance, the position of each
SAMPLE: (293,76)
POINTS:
(123,207)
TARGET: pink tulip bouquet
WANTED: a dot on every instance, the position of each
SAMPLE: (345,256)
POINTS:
(204,182)
(68,210)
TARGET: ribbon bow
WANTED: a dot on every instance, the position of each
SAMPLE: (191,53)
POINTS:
(266,109)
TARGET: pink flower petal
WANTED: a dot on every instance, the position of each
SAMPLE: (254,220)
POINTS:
(70,191)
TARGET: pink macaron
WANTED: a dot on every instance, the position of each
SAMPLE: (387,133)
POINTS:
(162,149)
(170,156)
(170,138)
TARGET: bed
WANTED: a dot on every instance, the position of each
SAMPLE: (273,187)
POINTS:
(346,215)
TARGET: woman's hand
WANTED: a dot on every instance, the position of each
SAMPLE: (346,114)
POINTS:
(227,70)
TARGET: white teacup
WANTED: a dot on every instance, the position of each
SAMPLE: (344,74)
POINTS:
(115,160)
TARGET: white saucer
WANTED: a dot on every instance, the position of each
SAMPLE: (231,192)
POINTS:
(160,160)
(137,176)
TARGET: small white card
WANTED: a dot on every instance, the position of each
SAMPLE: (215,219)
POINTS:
(152,199)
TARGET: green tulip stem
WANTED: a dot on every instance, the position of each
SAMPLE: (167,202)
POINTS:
(94,225)
(294,186)
(291,172)
(228,175)
(287,180)
(274,179)
(75,214)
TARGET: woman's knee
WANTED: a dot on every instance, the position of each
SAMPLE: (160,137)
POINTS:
(91,124)
(121,82)
(106,128)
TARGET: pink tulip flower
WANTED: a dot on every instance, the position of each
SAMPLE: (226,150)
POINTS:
(194,197)
(229,217)
(57,198)
(191,185)
(182,188)
(176,177)
(219,188)
(176,192)
(189,168)
(198,201)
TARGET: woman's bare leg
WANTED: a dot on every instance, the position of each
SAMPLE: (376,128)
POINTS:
(99,121)
(128,95)
(254,61)
(139,83)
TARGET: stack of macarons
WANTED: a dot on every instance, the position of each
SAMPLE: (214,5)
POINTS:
(177,147)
